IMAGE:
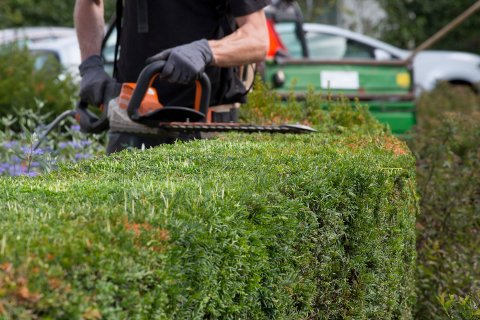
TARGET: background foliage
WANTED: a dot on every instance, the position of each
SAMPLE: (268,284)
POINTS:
(410,23)
(446,143)
(21,13)
(22,83)
(66,143)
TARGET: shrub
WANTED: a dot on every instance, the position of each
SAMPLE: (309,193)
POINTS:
(22,13)
(22,84)
(243,226)
(66,143)
(465,308)
(447,145)
(327,115)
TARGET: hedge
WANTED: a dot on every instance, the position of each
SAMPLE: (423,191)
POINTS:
(24,87)
(446,143)
(239,227)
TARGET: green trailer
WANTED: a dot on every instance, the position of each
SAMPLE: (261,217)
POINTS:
(386,86)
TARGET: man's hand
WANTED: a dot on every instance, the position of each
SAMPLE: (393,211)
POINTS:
(184,63)
(97,87)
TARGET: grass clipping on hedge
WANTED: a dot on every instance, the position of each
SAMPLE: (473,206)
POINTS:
(242,226)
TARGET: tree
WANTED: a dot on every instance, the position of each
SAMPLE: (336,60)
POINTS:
(315,10)
(22,13)
(410,22)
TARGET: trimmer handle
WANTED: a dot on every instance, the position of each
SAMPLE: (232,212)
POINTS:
(90,122)
(148,75)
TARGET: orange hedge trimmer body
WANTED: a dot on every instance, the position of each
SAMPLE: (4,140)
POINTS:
(138,110)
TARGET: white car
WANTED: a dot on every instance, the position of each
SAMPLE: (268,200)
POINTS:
(46,42)
(324,42)
(327,42)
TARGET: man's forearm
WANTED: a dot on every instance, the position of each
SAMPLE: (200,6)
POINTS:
(249,43)
(89,24)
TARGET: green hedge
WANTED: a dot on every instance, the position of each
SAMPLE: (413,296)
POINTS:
(446,143)
(243,226)
(24,87)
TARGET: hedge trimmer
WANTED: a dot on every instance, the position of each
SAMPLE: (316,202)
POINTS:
(137,110)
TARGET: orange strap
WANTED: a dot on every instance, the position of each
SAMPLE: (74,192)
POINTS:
(198,95)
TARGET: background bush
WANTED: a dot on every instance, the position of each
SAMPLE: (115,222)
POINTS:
(243,226)
(65,143)
(22,13)
(447,146)
(22,84)
(265,106)
(409,23)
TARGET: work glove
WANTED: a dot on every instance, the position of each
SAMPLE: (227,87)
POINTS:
(184,63)
(96,87)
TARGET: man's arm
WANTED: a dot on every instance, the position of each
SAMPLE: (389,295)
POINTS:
(89,24)
(249,43)
(96,87)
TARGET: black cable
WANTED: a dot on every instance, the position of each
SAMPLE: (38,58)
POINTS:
(53,125)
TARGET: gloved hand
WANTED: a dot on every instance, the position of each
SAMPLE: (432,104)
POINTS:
(96,87)
(184,63)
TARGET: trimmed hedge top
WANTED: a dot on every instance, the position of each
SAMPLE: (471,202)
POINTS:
(242,226)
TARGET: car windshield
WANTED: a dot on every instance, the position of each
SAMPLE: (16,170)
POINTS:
(109,49)
(323,45)
(47,60)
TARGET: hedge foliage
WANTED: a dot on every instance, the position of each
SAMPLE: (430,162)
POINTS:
(316,226)
(447,146)
(23,85)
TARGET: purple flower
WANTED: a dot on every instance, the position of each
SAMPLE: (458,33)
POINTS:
(15,170)
(80,156)
(75,144)
(38,152)
(32,174)
(26,150)
(85,143)
(10,144)
(75,127)
(34,164)
(4,165)
(16,159)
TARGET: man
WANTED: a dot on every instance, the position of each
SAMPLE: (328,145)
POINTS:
(191,36)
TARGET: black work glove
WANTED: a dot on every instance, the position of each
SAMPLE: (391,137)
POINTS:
(184,63)
(96,87)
